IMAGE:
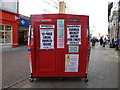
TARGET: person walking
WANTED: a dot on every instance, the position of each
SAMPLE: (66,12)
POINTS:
(104,42)
(117,43)
(93,40)
(101,41)
(112,44)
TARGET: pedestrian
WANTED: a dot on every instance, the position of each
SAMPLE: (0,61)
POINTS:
(117,43)
(104,42)
(113,40)
(101,41)
(93,40)
(112,43)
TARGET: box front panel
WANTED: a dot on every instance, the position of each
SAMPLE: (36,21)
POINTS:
(61,46)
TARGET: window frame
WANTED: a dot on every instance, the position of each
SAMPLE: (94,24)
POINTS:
(4,31)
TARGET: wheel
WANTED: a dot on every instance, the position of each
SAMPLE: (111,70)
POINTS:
(31,79)
(85,80)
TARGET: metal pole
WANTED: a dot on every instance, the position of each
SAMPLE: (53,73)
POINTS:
(18,6)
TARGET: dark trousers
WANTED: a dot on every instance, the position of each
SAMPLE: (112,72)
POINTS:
(93,43)
(101,43)
(104,43)
(116,47)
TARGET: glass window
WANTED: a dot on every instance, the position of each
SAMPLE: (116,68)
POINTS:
(5,34)
(7,28)
(1,27)
(1,37)
(7,37)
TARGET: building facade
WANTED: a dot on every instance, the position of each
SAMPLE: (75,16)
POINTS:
(9,20)
(38,7)
(62,8)
(65,8)
(113,25)
(113,21)
(119,22)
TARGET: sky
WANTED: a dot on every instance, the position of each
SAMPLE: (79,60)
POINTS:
(97,10)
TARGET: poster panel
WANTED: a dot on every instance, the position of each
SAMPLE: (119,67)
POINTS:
(74,34)
(46,38)
(60,33)
(74,49)
(71,62)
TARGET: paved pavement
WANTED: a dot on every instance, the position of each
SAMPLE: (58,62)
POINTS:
(15,66)
(102,73)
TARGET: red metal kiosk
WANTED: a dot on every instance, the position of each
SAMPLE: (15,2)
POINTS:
(58,45)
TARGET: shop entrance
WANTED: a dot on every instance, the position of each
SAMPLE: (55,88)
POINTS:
(23,35)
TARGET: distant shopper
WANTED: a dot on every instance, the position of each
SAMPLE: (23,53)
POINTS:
(112,44)
(104,42)
(93,40)
(113,40)
(101,41)
(117,43)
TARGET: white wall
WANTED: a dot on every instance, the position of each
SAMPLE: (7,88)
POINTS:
(29,7)
(9,5)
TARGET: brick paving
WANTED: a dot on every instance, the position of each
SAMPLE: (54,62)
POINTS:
(102,73)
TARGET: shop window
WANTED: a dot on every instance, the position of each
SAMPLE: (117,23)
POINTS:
(5,34)
(1,27)
(8,37)
(1,40)
(8,28)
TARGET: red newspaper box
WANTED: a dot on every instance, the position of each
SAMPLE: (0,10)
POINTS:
(58,45)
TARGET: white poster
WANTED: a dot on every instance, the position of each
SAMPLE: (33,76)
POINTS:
(60,33)
(46,38)
(74,34)
(71,62)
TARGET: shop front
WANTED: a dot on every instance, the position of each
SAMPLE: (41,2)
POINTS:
(9,29)
(23,31)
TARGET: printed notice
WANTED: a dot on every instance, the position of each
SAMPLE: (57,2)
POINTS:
(74,34)
(74,49)
(60,33)
(46,38)
(71,62)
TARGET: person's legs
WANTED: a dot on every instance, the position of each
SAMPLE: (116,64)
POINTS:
(93,43)
(116,47)
(100,43)
(104,44)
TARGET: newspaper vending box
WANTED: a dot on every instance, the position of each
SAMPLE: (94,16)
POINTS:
(58,45)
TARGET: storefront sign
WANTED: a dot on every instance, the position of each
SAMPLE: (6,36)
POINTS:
(46,38)
(74,34)
(60,33)
(74,49)
(46,26)
(71,62)
(24,22)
